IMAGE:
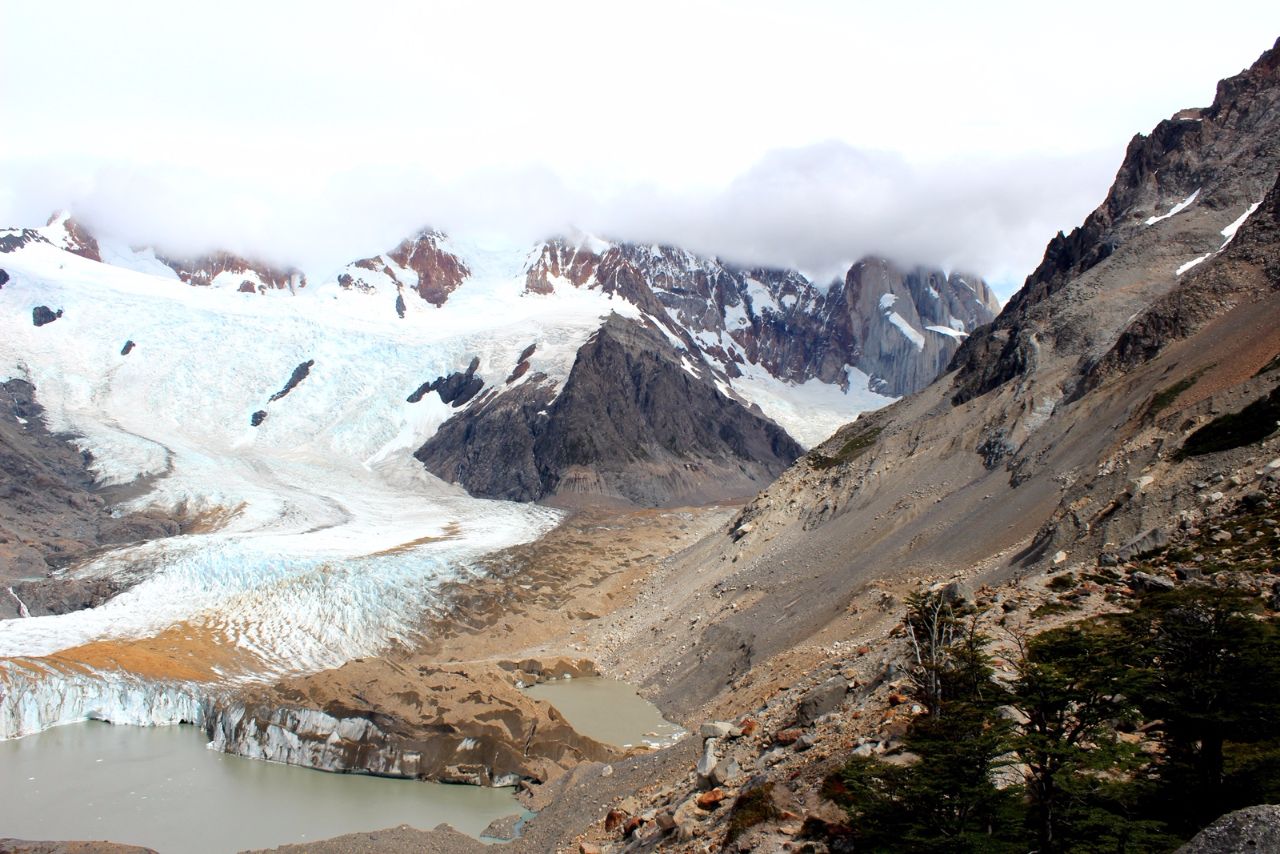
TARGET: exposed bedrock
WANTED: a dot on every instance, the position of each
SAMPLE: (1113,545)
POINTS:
(632,424)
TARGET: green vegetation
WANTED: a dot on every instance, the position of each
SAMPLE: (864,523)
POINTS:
(1236,429)
(1166,396)
(1122,733)
(754,806)
(855,447)
(1062,582)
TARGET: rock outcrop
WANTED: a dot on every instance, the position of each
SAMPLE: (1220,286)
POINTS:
(226,269)
(65,231)
(900,327)
(51,515)
(632,423)
(422,264)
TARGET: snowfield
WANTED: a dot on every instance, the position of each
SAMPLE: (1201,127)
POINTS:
(324,540)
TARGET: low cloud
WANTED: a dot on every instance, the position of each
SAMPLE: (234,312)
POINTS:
(817,208)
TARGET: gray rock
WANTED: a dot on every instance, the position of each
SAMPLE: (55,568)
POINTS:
(707,762)
(725,773)
(1250,829)
(957,592)
(1150,583)
(502,828)
(822,700)
(719,729)
(1143,544)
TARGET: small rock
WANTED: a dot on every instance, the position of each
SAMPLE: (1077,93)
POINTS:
(748,726)
(1188,573)
(127,348)
(1221,536)
(258,417)
(588,848)
(787,736)
(606,771)
(806,741)
(615,819)
(1059,557)
(1255,499)
(712,799)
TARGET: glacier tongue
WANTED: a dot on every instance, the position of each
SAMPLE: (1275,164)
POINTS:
(35,696)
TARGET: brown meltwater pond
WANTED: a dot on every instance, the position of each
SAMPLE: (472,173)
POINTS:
(162,788)
(608,711)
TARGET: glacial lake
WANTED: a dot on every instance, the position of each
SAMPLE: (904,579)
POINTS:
(608,711)
(160,787)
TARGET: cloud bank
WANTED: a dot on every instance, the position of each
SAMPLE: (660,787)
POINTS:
(816,208)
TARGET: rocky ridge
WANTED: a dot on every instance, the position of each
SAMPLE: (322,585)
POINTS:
(631,424)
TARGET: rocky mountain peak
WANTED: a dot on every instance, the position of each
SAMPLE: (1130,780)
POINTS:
(65,231)
(1179,186)
(422,264)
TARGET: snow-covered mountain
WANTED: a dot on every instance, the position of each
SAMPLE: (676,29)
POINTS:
(774,344)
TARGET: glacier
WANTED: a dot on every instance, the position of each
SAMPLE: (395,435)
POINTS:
(314,537)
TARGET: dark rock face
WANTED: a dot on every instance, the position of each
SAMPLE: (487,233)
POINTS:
(51,514)
(4,277)
(900,327)
(299,374)
(457,388)
(630,423)
(256,419)
(13,239)
(127,348)
(1227,155)
(400,306)
(42,314)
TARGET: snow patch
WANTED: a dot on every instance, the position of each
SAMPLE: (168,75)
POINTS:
(1193,262)
(913,334)
(1177,209)
(1230,231)
(948,331)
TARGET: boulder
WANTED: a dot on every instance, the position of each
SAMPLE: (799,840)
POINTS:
(719,729)
(1250,829)
(823,699)
(1149,583)
(42,314)
(1144,544)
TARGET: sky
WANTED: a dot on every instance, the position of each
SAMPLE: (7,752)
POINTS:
(802,134)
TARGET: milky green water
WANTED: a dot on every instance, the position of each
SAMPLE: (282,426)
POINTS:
(608,710)
(160,787)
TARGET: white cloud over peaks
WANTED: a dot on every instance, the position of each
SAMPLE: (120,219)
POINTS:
(806,133)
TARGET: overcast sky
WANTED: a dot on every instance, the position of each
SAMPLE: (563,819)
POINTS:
(792,133)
